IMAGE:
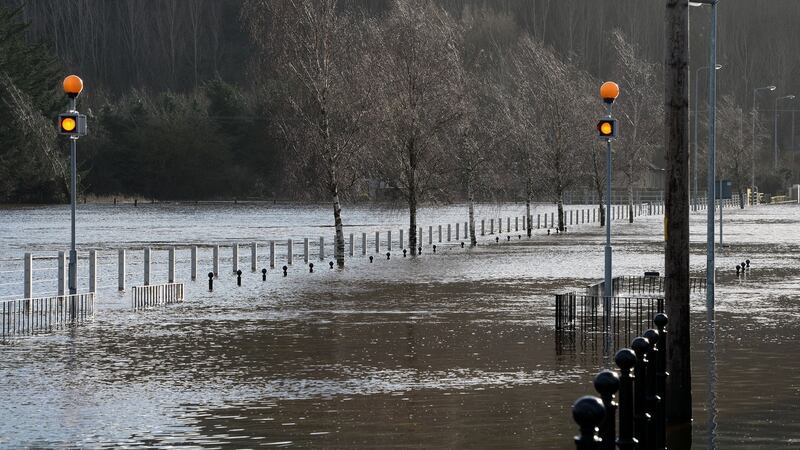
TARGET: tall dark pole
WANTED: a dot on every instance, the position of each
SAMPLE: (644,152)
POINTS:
(73,256)
(676,260)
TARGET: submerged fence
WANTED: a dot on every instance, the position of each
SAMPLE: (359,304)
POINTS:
(627,316)
(143,297)
(648,284)
(44,314)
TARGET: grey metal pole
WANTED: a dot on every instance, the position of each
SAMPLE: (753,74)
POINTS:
(753,151)
(710,263)
(775,134)
(73,254)
(608,291)
(694,148)
(720,211)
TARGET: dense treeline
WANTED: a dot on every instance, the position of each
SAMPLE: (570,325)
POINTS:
(214,99)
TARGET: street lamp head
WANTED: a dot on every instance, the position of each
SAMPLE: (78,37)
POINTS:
(73,86)
(718,66)
(771,88)
(609,91)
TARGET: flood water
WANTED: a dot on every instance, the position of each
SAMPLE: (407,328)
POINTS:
(452,350)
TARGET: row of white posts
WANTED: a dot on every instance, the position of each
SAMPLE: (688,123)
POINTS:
(444,233)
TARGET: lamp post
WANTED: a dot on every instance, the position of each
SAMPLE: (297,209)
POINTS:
(775,132)
(753,151)
(696,119)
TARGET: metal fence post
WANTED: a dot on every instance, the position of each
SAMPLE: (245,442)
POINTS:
(641,346)
(588,413)
(62,273)
(305,250)
(607,384)
(626,360)
(321,248)
(389,240)
(449,232)
(272,254)
(440,234)
(352,245)
(363,243)
(235,258)
(121,269)
(377,242)
(28,275)
(93,271)
(289,252)
(194,262)
(430,235)
(253,256)
(215,260)
(147,266)
(171,265)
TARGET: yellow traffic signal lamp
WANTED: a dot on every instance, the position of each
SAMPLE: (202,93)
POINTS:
(607,129)
(609,91)
(73,86)
(72,124)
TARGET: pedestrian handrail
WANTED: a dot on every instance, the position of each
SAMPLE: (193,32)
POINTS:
(145,297)
(43,314)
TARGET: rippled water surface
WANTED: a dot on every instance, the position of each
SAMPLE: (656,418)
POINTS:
(452,350)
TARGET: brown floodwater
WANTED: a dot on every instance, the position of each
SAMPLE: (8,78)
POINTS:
(453,350)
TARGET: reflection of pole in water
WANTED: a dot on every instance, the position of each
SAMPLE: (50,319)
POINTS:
(712,379)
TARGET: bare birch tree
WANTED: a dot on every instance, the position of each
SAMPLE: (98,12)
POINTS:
(640,110)
(323,54)
(419,57)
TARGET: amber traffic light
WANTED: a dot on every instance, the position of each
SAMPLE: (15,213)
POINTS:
(72,124)
(609,91)
(73,85)
(607,128)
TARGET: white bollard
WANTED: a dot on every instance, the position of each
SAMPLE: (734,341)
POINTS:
(321,248)
(215,260)
(121,275)
(28,275)
(147,266)
(289,252)
(235,258)
(194,263)
(253,256)
(271,254)
(62,273)
(171,268)
(364,243)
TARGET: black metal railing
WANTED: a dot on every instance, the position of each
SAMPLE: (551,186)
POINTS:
(641,386)
(648,284)
(44,314)
(626,316)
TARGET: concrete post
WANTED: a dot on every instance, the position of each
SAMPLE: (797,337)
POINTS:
(377,242)
(466,231)
(545,220)
(62,273)
(363,243)
(92,270)
(253,256)
(483,227)
(28,275)
(147,266)
(402,246)
(508,224)
(289,252)
(458,231)
(194,262)
(171,268)
(121,275)
(305,250)
(389,240)
(491,226)
(321,248)
(430,235)
(449,232)
(516,223)
(440,234)
(235,258)
(552,220)
(215,260)
(272,254)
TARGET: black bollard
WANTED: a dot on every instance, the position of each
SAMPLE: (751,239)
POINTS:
(434,249)
(607,384)
(508,238)
(404,253)
(626,359)
(370,259)
(210,281)
(588,413)
(462,245)
(284,270)
(419,250)
(737,270)
(548,231)
(263,274)
(565,229)
(641,346)
(748,264)
(331,264)
(310,267)
(496,239)
(519,236)
(238,277)
(660,438)
(653,399)
(388,256)
(136,202)
(743,266)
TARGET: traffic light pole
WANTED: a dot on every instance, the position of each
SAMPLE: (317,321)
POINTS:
(73,255)
(607,284)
